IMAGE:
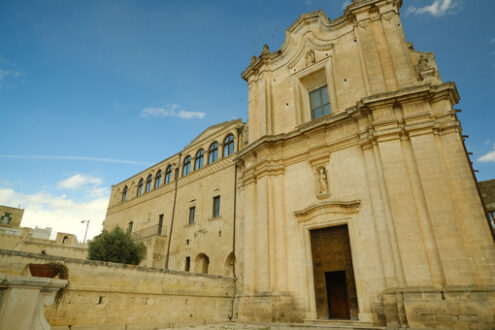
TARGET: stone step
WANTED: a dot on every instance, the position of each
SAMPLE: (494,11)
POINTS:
(341,324)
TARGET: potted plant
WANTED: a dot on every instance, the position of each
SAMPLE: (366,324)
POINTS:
(49,270)
(43,270)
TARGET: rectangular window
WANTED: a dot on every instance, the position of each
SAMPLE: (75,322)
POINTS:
(188,264)
(319,102)
(192,210)
(216,206)
(160,224)
(129,228)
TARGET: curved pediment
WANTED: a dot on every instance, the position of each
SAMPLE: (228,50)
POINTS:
(330,207)
(312,31)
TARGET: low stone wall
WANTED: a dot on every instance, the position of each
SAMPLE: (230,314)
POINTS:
(25,243)
(446,308)
(110,295)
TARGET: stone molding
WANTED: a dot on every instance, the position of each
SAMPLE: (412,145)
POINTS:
(337,207)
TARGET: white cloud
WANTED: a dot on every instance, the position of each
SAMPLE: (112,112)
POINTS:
(59,212)
(7,70)
(78,180)
(437,8)
(96,159)
(345,4)
(489,157)
(4,74)
(492,41)
(171,110)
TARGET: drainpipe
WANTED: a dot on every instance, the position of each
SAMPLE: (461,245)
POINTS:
(177,172)
(239,130)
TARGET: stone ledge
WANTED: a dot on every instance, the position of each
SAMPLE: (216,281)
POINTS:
(49,258)
(31,281)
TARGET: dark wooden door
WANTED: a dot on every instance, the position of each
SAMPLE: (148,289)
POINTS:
(338,302)
(335,288)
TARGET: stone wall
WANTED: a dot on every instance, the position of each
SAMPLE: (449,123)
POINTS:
(10,216)
(20,239)
(103,295)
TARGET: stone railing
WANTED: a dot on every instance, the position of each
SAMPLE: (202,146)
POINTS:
(149,231)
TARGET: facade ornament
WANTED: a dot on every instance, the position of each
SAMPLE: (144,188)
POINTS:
(364,24)
(310,57)
(323,182)
(265,51)
(423,63)
(253,59)
(388,16)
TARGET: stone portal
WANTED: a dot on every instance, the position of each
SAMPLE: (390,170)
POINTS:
(335,289)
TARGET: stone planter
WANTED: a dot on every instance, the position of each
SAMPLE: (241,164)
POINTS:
(43,270)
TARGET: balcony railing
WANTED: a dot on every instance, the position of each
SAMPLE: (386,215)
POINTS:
(149,231)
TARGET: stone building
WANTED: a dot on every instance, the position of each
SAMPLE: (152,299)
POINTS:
(487,189)
(16,238)
(349,189)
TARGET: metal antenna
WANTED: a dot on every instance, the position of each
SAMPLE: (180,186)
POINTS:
(86,233)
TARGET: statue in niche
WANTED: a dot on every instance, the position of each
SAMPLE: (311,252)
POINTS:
(323,181)
(423,63)
(310,57)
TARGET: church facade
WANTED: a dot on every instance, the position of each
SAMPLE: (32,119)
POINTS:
(347,195)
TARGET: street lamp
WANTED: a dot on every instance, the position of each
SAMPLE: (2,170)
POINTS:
(86,233)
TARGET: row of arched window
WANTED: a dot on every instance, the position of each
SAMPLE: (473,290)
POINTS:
(228,149)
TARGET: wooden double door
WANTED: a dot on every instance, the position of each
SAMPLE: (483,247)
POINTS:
(335,288)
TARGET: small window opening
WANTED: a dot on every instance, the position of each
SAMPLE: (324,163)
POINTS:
(192,211)
(216,206)
(160,224)
(188,264)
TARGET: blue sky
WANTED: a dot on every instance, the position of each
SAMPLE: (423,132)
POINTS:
(92,92)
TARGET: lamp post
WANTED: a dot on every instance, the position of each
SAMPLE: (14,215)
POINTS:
(86,233)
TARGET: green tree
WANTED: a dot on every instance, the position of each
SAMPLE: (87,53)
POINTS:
(116,246)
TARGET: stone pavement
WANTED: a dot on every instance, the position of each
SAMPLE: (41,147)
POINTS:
(274,326)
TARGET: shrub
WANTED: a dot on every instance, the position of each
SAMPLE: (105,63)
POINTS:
(116,246)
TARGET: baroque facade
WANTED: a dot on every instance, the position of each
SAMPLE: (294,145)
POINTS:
(347,195)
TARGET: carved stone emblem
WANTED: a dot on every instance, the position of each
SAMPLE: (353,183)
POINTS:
(423,63)
(310,57)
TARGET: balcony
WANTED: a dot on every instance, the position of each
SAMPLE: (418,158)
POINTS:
(149,232)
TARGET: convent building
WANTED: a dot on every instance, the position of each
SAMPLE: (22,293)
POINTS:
(348,194)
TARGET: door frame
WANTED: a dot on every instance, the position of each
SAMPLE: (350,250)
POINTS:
(324,215)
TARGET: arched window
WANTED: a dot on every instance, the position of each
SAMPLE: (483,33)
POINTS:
(148,182)
(198,162)
(187,166)
(201,263)
(124,194)
(158,179)
(140,187)
(213,152)
(168,174)
(229,264)
(228,145)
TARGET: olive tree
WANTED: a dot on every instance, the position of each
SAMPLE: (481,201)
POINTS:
(116,246)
